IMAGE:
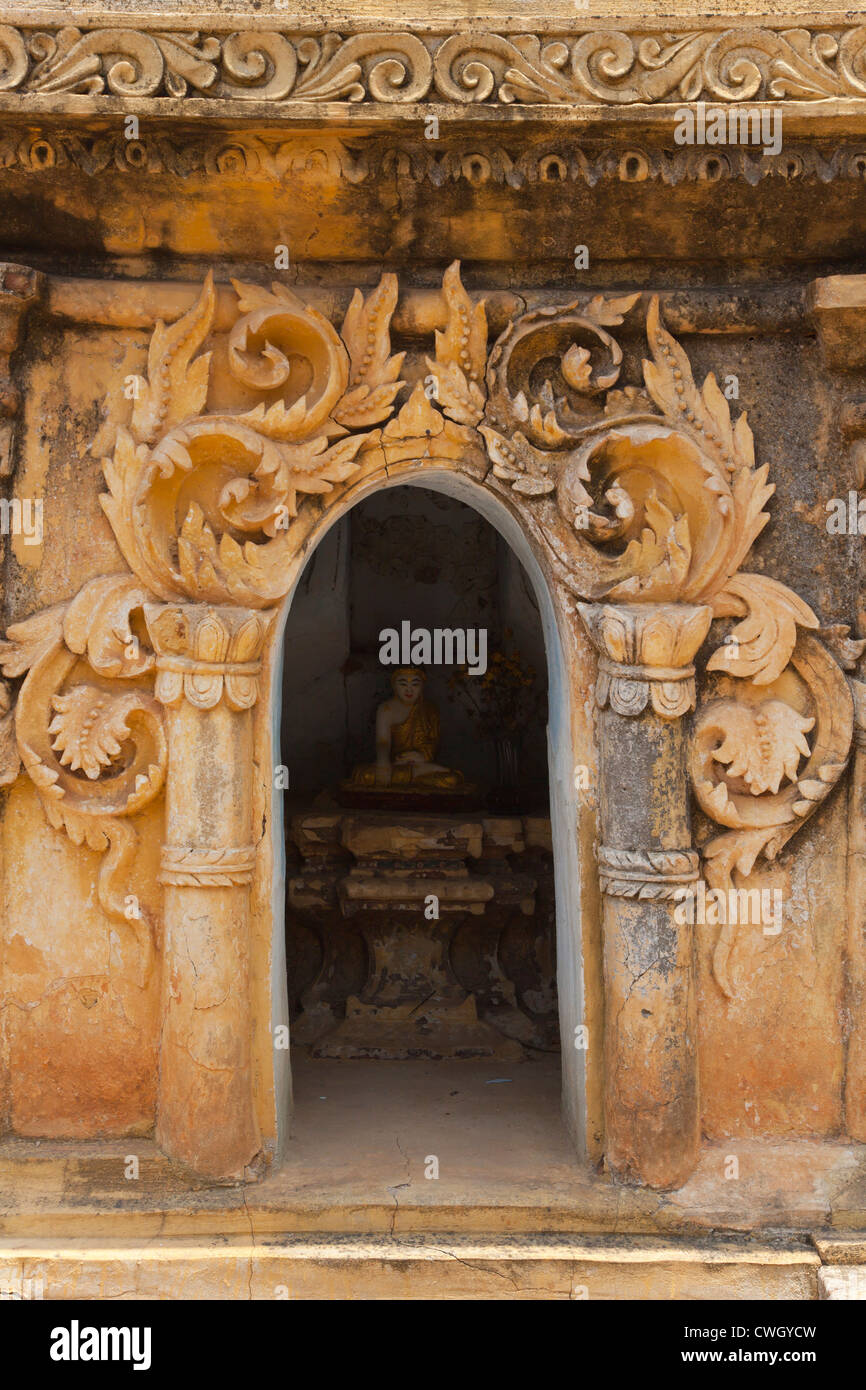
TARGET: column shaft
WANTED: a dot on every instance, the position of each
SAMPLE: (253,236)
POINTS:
(207,662)
(646,862)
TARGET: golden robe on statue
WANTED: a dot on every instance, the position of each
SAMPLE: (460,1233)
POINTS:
(410,742)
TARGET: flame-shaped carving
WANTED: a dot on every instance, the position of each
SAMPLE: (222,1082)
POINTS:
(211,508)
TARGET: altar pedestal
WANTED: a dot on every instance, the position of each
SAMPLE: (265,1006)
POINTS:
(406,885)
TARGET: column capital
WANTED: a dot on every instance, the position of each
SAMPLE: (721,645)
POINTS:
(206,653)
(646,653)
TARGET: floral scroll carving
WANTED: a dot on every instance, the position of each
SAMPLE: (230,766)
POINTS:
(651,495)
(186,492)
(258,65)
(755,772)
(612,66)
(643,495)
(94,748)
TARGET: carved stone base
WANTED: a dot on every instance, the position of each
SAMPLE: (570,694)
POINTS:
(411,1004)
(399,802)
(438,1028)
(392,893)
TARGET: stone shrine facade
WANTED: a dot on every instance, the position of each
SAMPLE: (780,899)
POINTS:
(259,269)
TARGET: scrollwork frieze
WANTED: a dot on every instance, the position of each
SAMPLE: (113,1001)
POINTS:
(591,66)
(257,65)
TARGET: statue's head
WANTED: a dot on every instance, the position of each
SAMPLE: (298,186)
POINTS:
(407,683)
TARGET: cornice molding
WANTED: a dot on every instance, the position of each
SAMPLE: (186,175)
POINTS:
(516,164)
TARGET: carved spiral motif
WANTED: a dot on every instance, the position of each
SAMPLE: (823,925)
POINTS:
(464,72)
(129,63)
(260,66)
(600,60)
(14,63)
(852,60)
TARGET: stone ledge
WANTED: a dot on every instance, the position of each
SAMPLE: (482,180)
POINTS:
(68,1190)
(420,1267)
(837,304)
(842,1282)
(840,1250)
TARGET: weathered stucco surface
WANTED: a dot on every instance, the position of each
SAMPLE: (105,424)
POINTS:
(706,350)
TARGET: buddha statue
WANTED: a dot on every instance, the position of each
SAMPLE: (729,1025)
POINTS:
(407,736)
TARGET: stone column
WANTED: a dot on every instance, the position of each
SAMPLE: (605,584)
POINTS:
(645,685)
(208,663)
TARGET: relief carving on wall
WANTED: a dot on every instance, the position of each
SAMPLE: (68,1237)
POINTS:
(607,66)
(266,156)
(637,494)
(662,499)
(87,730)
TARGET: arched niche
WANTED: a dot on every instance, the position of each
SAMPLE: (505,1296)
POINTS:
(572,813)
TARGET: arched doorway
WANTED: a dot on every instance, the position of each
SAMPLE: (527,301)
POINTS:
(316,1004)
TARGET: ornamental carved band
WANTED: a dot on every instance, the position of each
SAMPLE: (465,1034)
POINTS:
(646,874)
(595,65)
(641,497)
(265,156)
(186,866)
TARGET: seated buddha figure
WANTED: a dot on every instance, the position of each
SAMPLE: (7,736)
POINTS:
(407,736)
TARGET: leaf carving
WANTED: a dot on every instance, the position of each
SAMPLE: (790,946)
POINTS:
(306,468)
(763,745)
(519,463)
(374,373)
(760,646)
(176,386)
(31,639)
(659,561)
(703,414)
(461,353)
(89,728)
(609,313)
